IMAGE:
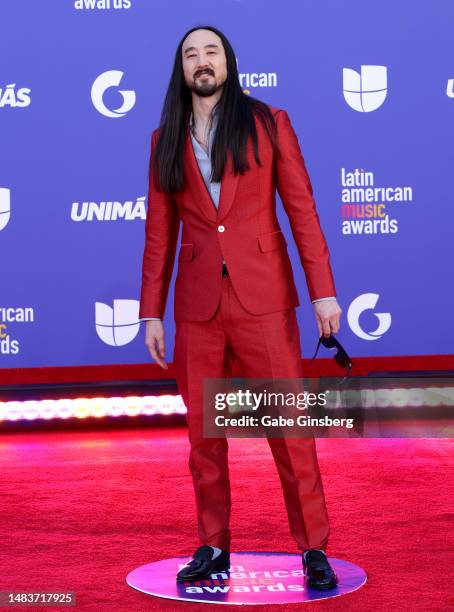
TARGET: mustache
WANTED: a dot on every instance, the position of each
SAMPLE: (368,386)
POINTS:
(204,71)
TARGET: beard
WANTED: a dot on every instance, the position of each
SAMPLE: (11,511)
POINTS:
(204,88)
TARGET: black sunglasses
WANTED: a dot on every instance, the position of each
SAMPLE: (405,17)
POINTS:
(341,357)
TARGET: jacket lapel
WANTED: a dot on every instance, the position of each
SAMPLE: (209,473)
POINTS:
(229,184)
(196,183)
(199,190)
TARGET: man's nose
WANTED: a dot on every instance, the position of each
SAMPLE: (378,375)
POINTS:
(203,66)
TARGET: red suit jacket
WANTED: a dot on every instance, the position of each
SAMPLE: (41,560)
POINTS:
(244,231)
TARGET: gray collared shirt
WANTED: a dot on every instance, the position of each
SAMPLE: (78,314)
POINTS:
(204,158)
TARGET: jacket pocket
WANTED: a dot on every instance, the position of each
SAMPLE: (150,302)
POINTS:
(186,252)
(271,241)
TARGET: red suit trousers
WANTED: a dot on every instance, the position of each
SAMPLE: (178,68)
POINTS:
(266,346)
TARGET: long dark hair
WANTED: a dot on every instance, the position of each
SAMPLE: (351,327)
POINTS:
(235,124)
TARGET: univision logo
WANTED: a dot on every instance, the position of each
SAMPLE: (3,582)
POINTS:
(117,325)
(102,83)
(365,91)
(5,207)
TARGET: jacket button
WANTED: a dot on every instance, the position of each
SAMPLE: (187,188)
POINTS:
(221,228)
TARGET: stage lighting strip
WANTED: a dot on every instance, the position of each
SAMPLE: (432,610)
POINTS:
(173,404)
(83,407)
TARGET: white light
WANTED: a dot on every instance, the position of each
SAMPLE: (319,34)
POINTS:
(98,407)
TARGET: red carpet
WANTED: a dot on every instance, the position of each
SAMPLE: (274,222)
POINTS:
(80,510)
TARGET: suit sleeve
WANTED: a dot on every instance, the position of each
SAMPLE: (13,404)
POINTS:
(161,235)
(295,189)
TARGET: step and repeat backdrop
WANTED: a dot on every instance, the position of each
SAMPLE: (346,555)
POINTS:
(369,88)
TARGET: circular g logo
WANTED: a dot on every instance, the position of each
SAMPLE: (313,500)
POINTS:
(367,301)
(108,79)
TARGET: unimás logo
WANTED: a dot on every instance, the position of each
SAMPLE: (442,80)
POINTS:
(105,81)
(101,5)
(367,301)
(109,210)
(5,207)
(117,325)
(14,98)
(365,91)
(450,88)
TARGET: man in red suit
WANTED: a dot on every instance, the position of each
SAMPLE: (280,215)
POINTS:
(217,159)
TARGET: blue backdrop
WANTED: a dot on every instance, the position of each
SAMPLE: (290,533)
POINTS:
(369,90)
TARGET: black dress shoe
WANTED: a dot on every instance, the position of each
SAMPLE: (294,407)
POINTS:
(202,564)
(318,572)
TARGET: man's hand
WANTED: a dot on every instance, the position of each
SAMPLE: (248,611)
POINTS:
(154,339)
(327,314)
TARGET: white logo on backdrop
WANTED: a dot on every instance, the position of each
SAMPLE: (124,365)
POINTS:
(365,91)
(109,211)
(250,80)
(5,207)
(15,98)
(450,88)
(105,81)
(367,301)
(102,5)
(119,325)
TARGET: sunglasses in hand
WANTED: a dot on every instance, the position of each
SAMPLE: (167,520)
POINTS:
(341,357)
